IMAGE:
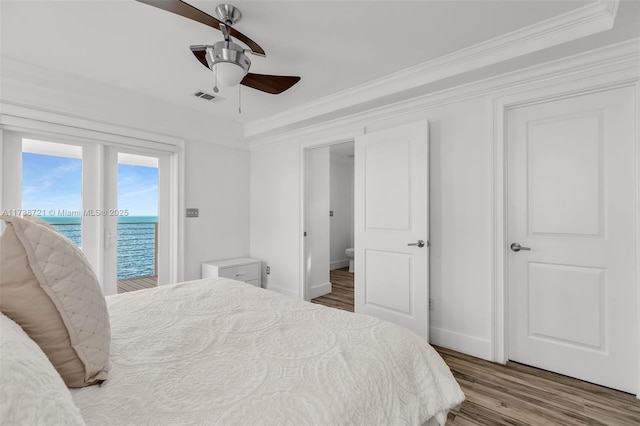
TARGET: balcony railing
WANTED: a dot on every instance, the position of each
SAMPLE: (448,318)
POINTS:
(137,246)
(71,230)
(137,249)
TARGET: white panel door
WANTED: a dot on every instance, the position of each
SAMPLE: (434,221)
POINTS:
(391,217)
(571,201)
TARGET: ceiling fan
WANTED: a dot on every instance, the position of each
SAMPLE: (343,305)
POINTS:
(228,60)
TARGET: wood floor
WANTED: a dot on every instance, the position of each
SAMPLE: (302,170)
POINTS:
(138,283)
(341,296)
(514,394)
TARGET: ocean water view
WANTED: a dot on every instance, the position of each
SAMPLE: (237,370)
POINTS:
(136,241)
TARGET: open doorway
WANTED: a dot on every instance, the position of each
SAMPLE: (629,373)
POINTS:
(391,217)
(329,240)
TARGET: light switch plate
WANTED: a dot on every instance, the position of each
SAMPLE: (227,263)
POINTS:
(193,212)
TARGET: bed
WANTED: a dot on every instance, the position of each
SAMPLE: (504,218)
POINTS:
(223,352)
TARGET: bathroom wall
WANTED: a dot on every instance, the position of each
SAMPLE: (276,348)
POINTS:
(341,203)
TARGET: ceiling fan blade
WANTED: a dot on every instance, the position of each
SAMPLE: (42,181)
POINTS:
(200,52)
(255,49)
(273,84)
(186,10)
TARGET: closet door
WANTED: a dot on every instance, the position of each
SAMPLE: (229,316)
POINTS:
(572,186)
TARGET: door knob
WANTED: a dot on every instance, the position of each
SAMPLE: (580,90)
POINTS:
(517,247)
(420,243)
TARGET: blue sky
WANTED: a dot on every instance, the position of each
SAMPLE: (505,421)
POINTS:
(55,183)
(138,190)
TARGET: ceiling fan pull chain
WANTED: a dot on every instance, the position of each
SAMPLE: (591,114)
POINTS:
(239,99)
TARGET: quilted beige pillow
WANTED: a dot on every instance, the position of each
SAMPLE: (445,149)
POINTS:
(48,287)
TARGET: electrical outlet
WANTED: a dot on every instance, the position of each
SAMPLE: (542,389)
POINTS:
(193,212)
(268,270)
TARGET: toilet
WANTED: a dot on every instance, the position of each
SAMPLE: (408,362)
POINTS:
(349,253)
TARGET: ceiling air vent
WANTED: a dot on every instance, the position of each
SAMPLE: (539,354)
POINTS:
(207,96)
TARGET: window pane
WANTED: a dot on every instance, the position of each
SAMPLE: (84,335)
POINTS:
(52,185)
(138,220)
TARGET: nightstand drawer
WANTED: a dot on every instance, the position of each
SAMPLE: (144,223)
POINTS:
(241,272)
(242,269)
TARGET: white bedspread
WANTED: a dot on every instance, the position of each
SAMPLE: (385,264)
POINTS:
(218,351)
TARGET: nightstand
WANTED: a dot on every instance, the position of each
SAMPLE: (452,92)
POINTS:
(241,269)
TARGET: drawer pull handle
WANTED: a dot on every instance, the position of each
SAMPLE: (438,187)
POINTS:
(239,274)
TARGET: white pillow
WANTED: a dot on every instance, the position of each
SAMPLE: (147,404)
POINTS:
(31,390)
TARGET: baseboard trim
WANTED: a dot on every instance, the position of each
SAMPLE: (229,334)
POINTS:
(339,264)
(464,343)
(282,290)
(319,290)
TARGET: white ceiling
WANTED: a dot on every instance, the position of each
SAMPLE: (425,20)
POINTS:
(332,45)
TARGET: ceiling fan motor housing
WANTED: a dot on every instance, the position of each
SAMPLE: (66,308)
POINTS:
(229,52)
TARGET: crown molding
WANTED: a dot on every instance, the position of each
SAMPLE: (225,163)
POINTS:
(617,63)
(611,6)
(584,21)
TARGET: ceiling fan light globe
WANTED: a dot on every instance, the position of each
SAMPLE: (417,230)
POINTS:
(229,74)
(228,61)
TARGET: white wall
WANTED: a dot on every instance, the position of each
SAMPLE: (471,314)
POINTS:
(341,175)
(216,182)
(466,184)
(460,225)
(216,173)
(275,215)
